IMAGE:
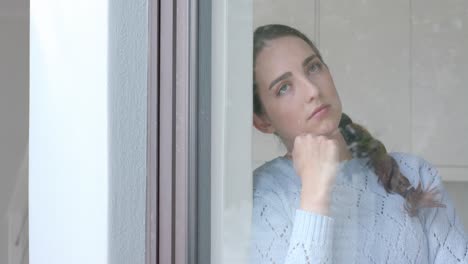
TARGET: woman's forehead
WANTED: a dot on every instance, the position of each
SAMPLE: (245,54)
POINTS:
(281,55)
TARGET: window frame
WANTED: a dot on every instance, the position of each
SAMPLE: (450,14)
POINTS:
(178,132)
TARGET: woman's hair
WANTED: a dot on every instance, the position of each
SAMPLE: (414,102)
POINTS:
(359,140)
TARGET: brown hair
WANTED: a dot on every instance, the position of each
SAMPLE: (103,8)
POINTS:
(359,140)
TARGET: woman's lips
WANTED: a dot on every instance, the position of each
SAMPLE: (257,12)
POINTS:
(319,112)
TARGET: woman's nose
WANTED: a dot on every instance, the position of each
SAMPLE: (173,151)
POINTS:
(310,89)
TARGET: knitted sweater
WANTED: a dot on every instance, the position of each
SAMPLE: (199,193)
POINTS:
(366,224)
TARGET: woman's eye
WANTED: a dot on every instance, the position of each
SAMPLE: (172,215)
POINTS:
(315,67)
(283,89)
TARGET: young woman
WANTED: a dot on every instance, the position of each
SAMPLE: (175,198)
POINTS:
(337,196)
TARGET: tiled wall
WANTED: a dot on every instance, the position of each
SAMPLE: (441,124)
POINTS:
(401,69)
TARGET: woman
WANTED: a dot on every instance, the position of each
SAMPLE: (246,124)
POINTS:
(337,196)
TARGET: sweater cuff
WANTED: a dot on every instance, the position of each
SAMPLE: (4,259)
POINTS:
(312,228)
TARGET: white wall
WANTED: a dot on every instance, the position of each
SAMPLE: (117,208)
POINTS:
(458,193)
(69,136)
(14,98)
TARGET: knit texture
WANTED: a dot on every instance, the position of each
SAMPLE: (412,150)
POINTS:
(366,224)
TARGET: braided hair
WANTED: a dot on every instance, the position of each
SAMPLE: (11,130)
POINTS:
(362,145)
(360,142)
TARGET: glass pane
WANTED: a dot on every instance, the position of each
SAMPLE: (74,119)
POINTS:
(357,150)
(231,115)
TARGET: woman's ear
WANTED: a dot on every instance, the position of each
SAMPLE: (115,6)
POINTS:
(263,124)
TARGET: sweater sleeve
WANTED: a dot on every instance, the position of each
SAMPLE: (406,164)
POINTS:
(306,239)
(447,240)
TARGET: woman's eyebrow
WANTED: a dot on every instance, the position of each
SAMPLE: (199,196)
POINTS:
(308,59)
(279,79)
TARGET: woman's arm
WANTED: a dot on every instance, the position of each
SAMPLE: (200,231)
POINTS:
(447,240)
(306,239)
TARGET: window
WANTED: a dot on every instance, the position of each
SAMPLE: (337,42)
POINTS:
(397,69)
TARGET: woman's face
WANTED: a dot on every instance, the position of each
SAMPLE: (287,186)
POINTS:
(292,84)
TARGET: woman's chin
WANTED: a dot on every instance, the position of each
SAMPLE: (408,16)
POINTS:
(327,127)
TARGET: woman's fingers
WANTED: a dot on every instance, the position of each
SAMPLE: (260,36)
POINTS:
(311,153)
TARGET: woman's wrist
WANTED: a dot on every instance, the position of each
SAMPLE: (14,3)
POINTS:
(318,203)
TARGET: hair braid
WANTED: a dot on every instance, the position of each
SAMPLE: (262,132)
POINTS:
(363,145)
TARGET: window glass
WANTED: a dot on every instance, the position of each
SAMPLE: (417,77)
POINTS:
(357,153)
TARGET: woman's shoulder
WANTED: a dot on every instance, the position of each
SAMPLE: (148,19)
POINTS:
(417,169)
(273,174)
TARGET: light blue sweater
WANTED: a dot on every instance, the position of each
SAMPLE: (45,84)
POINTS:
(366,225)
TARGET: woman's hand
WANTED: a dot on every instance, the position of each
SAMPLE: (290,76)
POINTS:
(316,160)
